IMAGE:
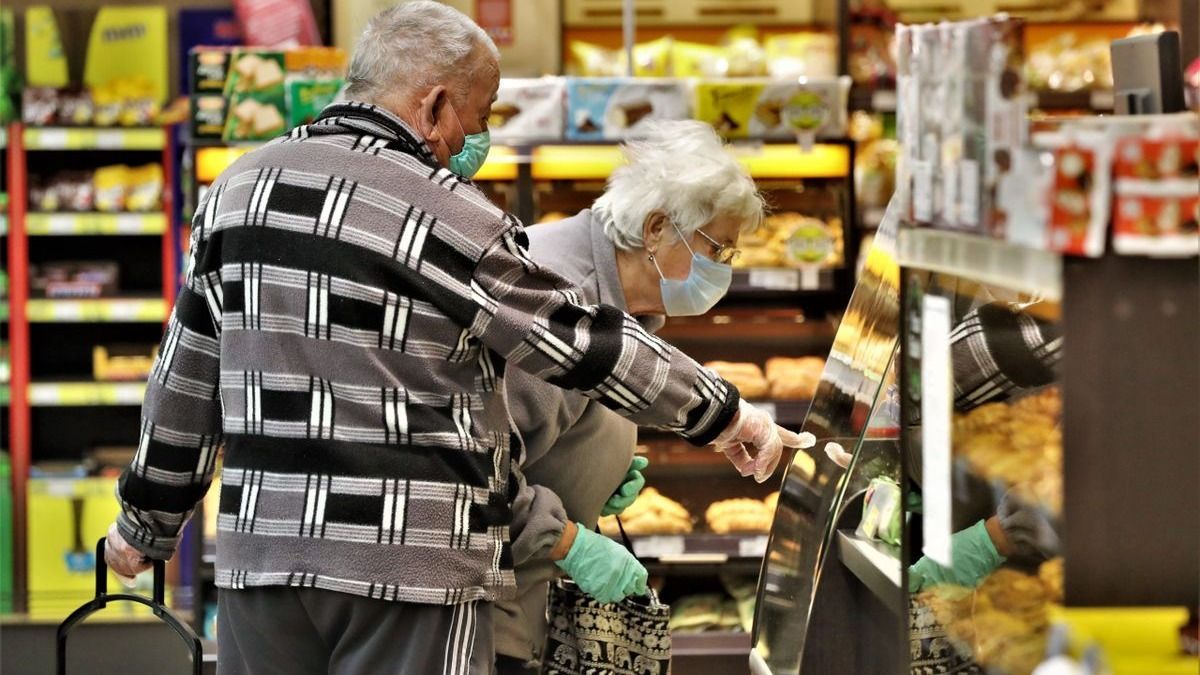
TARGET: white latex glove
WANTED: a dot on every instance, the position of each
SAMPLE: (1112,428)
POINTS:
(755,427)
(124,560)
(838,454)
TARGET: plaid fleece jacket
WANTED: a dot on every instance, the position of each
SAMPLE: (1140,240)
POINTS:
(348,314)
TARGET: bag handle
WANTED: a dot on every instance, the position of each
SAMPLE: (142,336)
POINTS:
(655,603)
(103,597)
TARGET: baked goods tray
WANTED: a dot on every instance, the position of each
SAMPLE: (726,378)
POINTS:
(876,564)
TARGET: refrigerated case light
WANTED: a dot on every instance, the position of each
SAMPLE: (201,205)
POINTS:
(101,310)
(63,138)
(95,223)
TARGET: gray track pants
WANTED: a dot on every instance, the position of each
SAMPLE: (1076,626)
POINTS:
(298,631)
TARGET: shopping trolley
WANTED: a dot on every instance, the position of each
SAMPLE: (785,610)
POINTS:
(103,598)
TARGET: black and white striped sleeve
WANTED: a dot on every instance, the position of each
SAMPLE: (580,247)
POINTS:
(181,416)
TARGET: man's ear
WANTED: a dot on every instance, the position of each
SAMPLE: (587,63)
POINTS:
(433,106)
(653,228)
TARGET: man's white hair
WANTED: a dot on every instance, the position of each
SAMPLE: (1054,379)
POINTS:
(414,46)
(683,169)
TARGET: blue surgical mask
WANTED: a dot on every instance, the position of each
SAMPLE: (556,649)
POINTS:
(466,162)
(705,285)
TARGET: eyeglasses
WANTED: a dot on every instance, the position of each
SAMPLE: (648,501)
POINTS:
(721,253)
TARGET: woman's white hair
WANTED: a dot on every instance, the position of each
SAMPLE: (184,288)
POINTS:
(414,46)
(683,169)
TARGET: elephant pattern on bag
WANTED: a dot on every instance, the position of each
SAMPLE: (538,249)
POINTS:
(565,656)
(590,650)
(644,665)
(620,657)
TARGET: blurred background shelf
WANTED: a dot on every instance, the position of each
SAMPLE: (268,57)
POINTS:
(95,223)
(985,260)
(86,393)
(99,310)
(69,138)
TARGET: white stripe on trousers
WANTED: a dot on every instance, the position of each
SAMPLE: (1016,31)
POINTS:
(460,648)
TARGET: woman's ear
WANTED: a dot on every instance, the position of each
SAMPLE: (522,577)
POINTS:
(653,229)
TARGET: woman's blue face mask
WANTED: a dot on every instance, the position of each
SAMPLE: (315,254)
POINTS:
(706,283)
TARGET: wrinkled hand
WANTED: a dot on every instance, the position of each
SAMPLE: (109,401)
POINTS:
(1028,532)
(756,428)
(628,492)
(126,561)
(602,568)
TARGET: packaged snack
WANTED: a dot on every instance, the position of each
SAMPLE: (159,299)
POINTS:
(612,109)
(209,69)
(116,363)
(208,115)
(1079,193)
(254,72)
(91,279)
(881,512)
(144,188)
(692,59)
(111,184)
(306,98)
(528,110)
(650,59)
(773,109)
(1158,159)
(1163,225)
(795,55)
(1006,128)
(39,106)
(74,190)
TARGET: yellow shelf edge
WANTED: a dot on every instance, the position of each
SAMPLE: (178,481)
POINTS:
(48,224)
(49,394)
(100,310)
(92,138)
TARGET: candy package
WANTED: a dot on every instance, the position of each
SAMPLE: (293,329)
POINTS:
(614,108)
(760,108)
(528,110)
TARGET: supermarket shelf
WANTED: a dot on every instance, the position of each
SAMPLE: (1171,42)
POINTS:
(86,393)
(95,223)
(875,564)
(1100,100)
(764,280)
(67,138)
(984,260)
(100,310)
(762,160)
(723,324)
(710,644)
(883,100)
(213,157)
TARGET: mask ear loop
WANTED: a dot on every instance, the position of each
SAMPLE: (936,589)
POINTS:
(660,272)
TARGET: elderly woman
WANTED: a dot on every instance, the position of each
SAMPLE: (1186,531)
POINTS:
(658,242)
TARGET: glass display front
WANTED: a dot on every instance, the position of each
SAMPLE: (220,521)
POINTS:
(816,480)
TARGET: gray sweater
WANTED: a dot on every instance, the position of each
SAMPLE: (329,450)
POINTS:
(350,313)
(576,451)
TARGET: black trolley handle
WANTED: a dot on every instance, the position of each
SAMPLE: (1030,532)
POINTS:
(157,604)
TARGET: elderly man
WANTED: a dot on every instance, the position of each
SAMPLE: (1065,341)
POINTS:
(351,305)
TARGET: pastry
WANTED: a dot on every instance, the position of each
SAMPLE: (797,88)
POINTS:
(747,377)
(739,515)
(651,513)
(794,378)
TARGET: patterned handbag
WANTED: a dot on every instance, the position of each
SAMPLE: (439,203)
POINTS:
(586,637)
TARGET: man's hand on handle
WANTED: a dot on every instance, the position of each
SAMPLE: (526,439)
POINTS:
(752,427)
(125,560)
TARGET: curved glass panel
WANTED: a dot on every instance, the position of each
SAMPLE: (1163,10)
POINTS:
(813,483)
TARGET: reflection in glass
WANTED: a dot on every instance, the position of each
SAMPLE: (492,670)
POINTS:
(988,611)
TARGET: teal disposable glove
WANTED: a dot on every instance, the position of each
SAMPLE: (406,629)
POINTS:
(974,557)
(603,568)
(628,492)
